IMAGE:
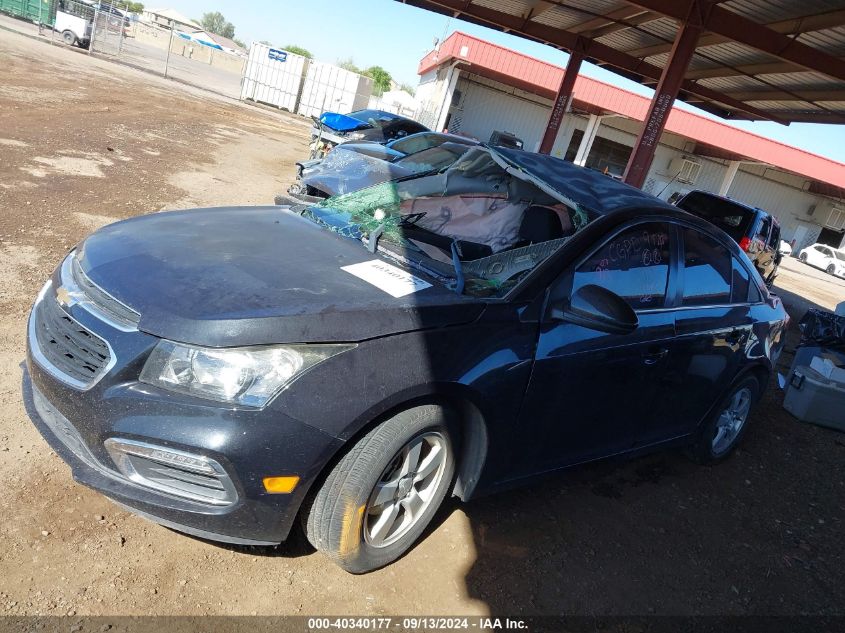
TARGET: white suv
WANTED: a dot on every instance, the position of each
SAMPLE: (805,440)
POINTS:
(825,257)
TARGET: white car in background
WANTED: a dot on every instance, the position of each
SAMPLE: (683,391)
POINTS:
(785,248)
(824,257)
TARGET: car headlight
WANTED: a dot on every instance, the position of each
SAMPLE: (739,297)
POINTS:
(244,375)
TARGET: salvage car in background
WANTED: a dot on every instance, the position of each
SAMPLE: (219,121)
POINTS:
(332,128)
(228,371)
(755,230)
(826,257)
(353,166)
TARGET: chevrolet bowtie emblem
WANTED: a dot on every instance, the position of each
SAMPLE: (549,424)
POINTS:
(64,297)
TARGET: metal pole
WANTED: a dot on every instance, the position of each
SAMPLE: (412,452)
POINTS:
(93,29)
(169,46)
(562,101)
(120,36)
(40,12)
(661,104)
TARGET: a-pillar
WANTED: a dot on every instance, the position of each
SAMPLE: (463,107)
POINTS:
(562,101)
(661,105)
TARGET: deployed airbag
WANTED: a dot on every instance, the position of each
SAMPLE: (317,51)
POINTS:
(487,219)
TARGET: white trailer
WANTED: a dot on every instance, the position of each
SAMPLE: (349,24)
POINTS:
(328,87)
(273,76)
(74,20)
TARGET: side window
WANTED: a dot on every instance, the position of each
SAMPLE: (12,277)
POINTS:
(634,264)
(740,286)
(708,270)
(765,227)
(774,240)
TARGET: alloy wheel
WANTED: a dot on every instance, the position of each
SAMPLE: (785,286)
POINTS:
(731,421)
(405,489)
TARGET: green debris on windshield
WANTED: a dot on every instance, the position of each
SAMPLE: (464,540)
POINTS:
(376,213)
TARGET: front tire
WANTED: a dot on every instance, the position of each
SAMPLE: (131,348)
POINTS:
(380,497)
(69,38)
(725,428)
(803,258)
(830,269)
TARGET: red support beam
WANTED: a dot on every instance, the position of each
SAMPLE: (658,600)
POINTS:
(738,28)
(560,38)
(564,96)
(667,90)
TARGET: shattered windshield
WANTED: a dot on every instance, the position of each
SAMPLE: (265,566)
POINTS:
(476,227)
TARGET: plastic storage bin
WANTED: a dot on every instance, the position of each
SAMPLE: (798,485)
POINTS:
(811,397)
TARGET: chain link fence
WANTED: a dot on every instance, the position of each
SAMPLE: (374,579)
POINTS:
(188,56)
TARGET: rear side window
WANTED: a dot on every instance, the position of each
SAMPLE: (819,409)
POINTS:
(634,264)
(774,240)
(764,229)
(708,270)
(740,286)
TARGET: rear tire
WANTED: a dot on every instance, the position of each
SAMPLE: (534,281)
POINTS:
(803,258)
(68,38)
(726,426)
(830,269)
(379,498)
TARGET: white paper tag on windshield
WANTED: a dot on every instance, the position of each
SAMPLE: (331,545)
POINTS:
(394,281)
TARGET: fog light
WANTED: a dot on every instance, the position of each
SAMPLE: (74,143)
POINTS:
(175,472)
(280,485)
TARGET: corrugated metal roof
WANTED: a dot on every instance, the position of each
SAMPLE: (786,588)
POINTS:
(529,73)
(775,39)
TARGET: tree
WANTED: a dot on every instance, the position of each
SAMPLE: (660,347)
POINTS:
(298,50)
(214,22)
(135,7)
(348,64)
(381,79)
(238,42)
(409,89)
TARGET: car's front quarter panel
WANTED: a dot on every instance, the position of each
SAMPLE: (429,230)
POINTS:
(486,364)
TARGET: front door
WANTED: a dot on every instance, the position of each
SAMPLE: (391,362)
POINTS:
(591,394)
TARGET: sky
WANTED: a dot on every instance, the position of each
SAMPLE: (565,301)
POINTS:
(395,36)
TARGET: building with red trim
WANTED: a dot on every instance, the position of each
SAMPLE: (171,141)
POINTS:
(471,86)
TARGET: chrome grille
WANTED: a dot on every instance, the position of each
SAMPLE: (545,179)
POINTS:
(71,349)
(109,307)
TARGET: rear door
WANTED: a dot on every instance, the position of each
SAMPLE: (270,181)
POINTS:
(713,326)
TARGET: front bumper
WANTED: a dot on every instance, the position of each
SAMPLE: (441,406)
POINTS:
(249,444)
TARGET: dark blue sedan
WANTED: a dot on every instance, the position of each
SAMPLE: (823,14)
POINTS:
(230,372)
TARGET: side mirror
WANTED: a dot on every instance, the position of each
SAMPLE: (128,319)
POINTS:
(597,308)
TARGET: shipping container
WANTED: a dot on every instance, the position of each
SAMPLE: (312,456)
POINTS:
(331,88)
(38,11)
(273,76)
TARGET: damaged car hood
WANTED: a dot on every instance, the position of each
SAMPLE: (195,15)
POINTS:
(343,171)
(260,275)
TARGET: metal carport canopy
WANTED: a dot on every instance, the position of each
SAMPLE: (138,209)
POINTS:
(777,60)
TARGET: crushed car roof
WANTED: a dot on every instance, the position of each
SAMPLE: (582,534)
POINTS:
(587,187)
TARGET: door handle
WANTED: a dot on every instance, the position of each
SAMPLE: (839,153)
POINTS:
(655,355)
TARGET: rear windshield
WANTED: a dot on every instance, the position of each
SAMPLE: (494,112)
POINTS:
(732,218)
(376,118)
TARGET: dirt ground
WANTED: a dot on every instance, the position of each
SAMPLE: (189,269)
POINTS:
(84,142)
